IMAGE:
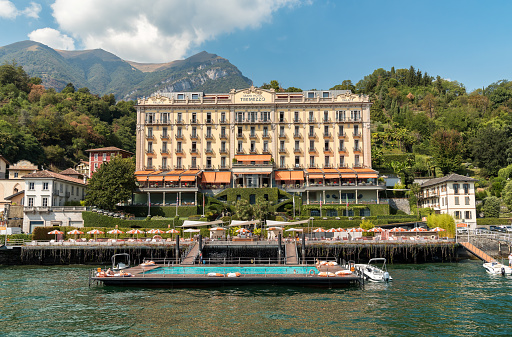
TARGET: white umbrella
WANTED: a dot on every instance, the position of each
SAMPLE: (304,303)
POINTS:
(75,232)
(319,230)
(191,230)
(135,231)
(438,229)
(116,232)
(56,232)
(95,232)
(294,230)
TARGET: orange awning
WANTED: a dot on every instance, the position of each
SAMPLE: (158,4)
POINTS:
(155,178)
(347,173)
(208,177)
(259,172)
(142,172)
(282,175)
(172,178)
(223,177)
(142,178)
(367,175)
(188,178)
(254,157)
(315,176)
(191,172)
(297,175)
(332,175)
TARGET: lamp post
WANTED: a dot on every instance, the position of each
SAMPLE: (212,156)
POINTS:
(309,232)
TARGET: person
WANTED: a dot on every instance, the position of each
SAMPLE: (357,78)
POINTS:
(110,272)
(510,260)
(201,258)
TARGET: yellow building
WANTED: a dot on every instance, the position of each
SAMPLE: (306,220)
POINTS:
(316,142)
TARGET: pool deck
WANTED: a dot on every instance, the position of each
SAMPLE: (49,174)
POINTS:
(141,279)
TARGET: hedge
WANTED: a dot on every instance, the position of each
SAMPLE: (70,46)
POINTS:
(401,157)
(245,193)
(375,209)
(493,221)
(163,211)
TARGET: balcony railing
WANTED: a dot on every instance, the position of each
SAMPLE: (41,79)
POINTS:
(311,135)
(240,136)
(356,134)
(164,151)
(164,167)
(282,120)
(223,151)
(150,151)
(327,120)
(179,151)
(209,136)
(342,149)
(282,150)
(179,136)
(253,136)
(193,121)
(311,120)
(327,135)
(266,136)
(179,121)
(208,151)
(150,136)
(253,151)
(342,135)
(192,151)
(194,136)
(282,135)
(297,150)
(296,120)
(357,149)
(312,150)
(164,136)
(223,121)
(297,136)
(239,151)
(209,121)
(223,136)
(327,149)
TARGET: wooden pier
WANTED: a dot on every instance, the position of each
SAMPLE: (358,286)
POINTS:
(477,252)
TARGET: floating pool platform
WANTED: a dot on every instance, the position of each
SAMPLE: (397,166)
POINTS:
(160,276)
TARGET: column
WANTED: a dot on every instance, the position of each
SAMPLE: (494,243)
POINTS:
(339,196)
(357,200)
(323,195)
(180,203)
(307,197)
(195,197)
(163,202)
(377,196)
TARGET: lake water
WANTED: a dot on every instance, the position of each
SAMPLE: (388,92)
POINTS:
(430,299)
(256,270)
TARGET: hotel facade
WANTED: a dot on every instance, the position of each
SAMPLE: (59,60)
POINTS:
(314,142)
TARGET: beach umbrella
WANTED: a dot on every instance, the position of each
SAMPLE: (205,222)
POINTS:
(191,230)
(135,231)
(398,229)
(341,229)
(319,230)
(75,232)
(356,229)
(173,231)
(275,229)
(217,229)
(56,232)
(332,230)
(116,232)
(438,229)
(243,230)
(376,229)
(95,232)
(294,230)
(155,231)
(418,229)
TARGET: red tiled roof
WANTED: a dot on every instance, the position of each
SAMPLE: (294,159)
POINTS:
(70,172)
(108,149)
(50,174)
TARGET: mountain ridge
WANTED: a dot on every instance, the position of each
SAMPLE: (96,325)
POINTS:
(104,72)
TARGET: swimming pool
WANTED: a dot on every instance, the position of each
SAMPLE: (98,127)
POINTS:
(259,270)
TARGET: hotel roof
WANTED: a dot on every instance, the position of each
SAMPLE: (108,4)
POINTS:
(451,177)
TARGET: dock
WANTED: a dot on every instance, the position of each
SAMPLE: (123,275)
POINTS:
(192,255)
(291,254)
(477,252)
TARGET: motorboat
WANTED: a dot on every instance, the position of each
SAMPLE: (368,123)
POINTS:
(375,270)
(496,268)
(120,261)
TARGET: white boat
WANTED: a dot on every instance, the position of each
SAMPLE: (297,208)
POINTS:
(372,272)
(496,268)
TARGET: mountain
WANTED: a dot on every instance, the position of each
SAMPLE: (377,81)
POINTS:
(104,73)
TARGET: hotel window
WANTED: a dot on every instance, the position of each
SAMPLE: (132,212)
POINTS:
(281,146)
(150,162)
(296,133)
(150,117)
(342,145)
(178,147)
(356,145)
(31,186)
(72,190)
(223,162)
(209,162)
(208,146)
(209,132)
(239,133)
(240,146)
(150,132)
(208,117)
(467,214)
(179,118)
(326,130)
(281,116)
(194,146)
(356,161)
(326,116)
(194,132)
(311,118)
(193,162)
(253,116)
(265,116)
(325,94)
(265,131)
(281,131)
(281,161)
(179,132)
(340,116)
(457,215)
(312,161)
(265,146)
(456,188)
(326,145)
(311,131)
(195,96)
(327,161)
(164,117)
(466,200)
(355,115)
(223,146)
(150,147)
(342,161)
(296,116)
(253,131)
(181,96)
(466,188)
(223,117)
(95,157)
(45,202)
(164,147)
(104,157)
(239,117)
(30,202)
(311,145)
(253,146)
(297,161)
(311,95)
(456,200)
(297,145)
(341,130)
(356,130)
(45,186)
(164,163)
(223,131)
(194,118)
(178,162)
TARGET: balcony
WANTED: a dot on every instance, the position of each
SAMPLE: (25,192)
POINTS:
(240,136)
(266,151)
(356,134)
(266,136)
(297,136)
(282,135)
(208,151)
(209,121)
(327,135)
(209,137)
(312,135)
(179,136)
(342,135)
(194,137)
(193,121)
(194,151)
(164,151)
(223,136)
(179,151)
(282,120)
(328,165)
(179,121)
(253,136)
(342,149)
(327,120)
(240,151)
(312,165)
(223,121)
(253,151)
(311,120)
(357,149)
(312,150)
(150,151)
(297,120)
(297,150)
(164,136)
(223,151)
(282,150)
(340,120)
(150,136)
(327,150)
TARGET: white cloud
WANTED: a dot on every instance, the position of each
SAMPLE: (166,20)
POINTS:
(161,30)
(52,38)
(9,11)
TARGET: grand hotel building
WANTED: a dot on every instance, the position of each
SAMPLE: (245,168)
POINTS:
(313,142)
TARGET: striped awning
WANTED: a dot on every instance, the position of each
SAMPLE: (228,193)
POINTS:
(187,178)
(282,175)
(347,173)
(297,175)
(208,177)
(254,157)
(172,178)
(141,178)
(155,178)
(222,177)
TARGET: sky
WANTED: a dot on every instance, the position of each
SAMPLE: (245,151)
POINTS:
(309,44)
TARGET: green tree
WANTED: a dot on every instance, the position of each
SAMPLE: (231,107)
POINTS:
(113,183)
(506,195)
(490,148)
(444,221)
(260,209)
(243,210)
(414,192)
(491,207)
(446,149)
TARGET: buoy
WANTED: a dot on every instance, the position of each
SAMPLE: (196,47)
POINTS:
(386,276)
